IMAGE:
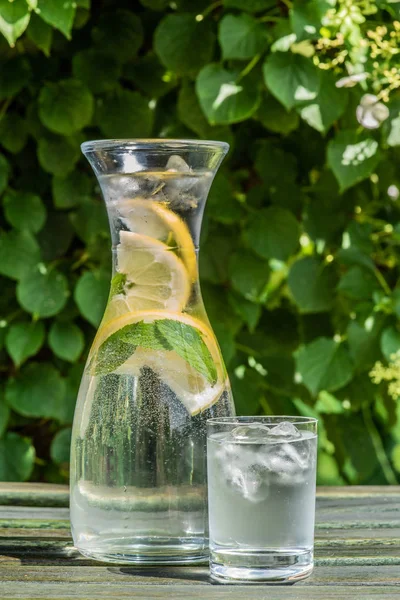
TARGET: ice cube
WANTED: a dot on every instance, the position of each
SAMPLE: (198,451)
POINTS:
(177,164)
(284,432)
(252,432)
(243,472)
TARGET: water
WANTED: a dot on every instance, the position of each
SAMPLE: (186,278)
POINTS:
(153,377)
(139,459)
(262,502)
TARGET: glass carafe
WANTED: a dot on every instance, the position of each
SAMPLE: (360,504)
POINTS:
(155,373)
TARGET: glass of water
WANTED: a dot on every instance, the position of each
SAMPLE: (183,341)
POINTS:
(261,494)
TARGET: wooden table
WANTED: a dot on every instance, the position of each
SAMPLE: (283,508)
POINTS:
(357,553)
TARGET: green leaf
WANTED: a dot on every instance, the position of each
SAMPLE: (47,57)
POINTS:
(60,446)
(113,353)
(328,404)
(312,285)
(123,114)
(390,342)
(37,391)
(90,220)
(249,274)
(57,14)
(291,78)
(191,115)
(363,340)
(40,33)
(245,309)
(273,233)
(72,190)
(222,204)
(66,341)
(4,416)
(13,132)
(306,18)
(148,74)
(241,37)
(66,413)
(274,166)
(24,340)
(4,173)
(120,32)
(352,157)
(163,334)
(91,294)
(97,69)
(24,210)
(358,284)
(55,237)
(393,138)
(43,292)
(327,107)
(189,345)
(324,365)
(183,44)
(158,5)
(251,6)
(14,75)
(19,253)
(223,99)
(215,256)
(275,117)
(247,388)
(58,155)
(14,19)
(17,457)
(65,107)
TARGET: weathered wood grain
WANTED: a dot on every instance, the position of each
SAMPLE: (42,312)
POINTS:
(34,494)
(350,575)
(86,591)
(357,549)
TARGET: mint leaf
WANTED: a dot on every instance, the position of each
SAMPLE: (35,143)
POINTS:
(163,334)
(117,284)
(112,354)
(144,335)
(189,344)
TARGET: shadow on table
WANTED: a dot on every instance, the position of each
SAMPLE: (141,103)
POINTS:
(189,574)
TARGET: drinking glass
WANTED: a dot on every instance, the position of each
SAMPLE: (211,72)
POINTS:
(261,494)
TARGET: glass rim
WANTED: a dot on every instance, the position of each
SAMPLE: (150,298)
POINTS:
(155,144)
(261,418)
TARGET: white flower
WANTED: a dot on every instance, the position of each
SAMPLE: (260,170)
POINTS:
(351,80)
(370,112)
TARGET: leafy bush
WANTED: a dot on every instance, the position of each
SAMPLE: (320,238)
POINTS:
(299,267)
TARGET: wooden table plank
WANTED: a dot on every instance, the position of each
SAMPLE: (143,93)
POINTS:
(357,548)
(86,591)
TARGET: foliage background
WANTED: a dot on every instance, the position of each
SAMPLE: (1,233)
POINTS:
(299,267)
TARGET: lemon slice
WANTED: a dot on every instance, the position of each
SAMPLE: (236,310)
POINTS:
(191,387)
(155,277)
(155,220)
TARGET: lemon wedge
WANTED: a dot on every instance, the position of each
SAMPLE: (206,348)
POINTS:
(155,277)
(154,219)
(191,387)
